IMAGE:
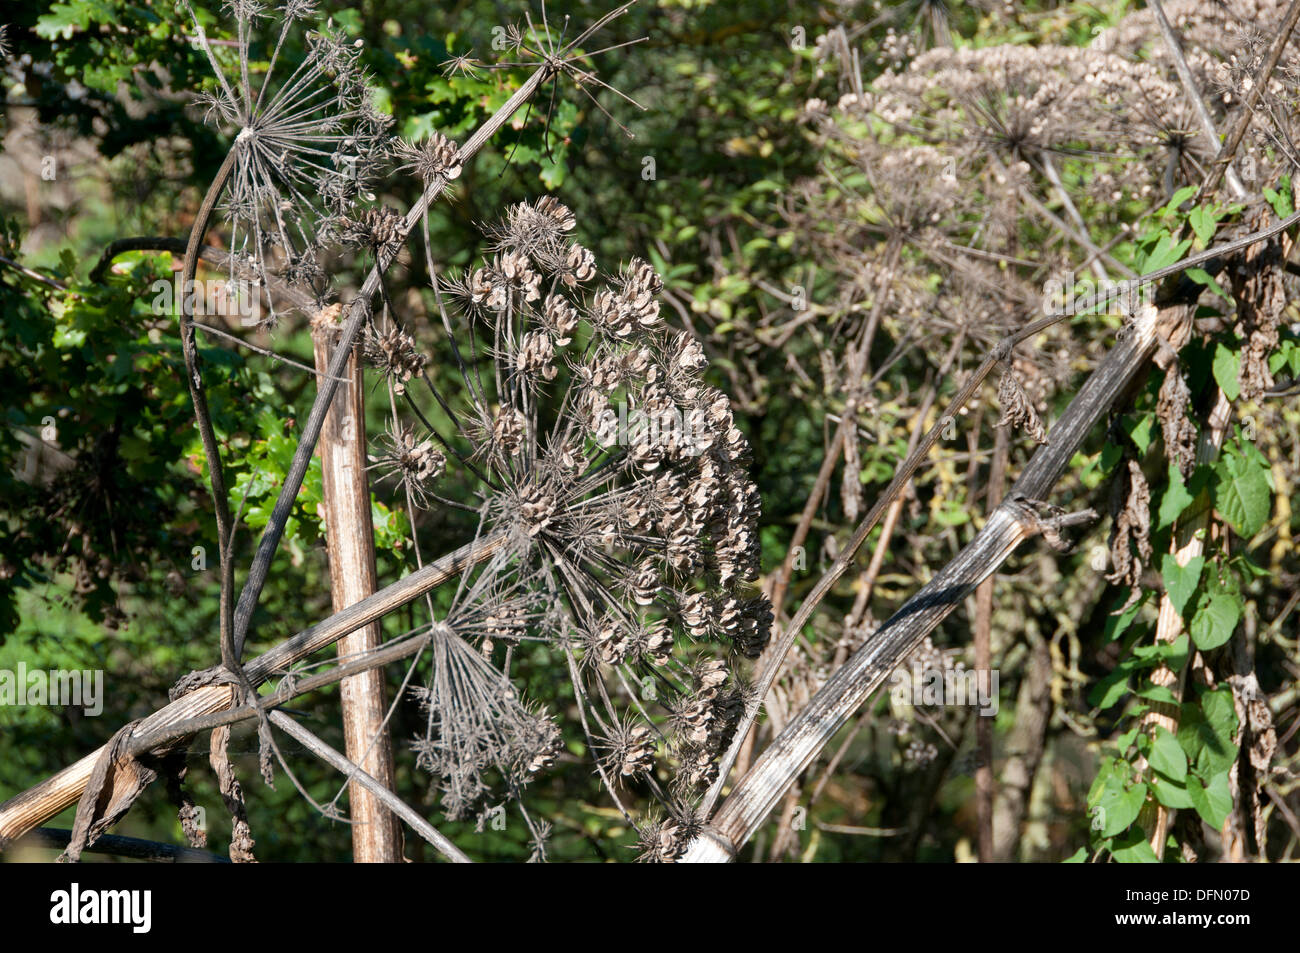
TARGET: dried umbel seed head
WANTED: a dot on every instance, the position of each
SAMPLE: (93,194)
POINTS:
(608,638)
(640,278)
(557,214)
(687,356)
(485,289)
(560,319)
(509,430)
(646,583)
(476,724)
(415,463)
(394,351)
(747,622)
(616,479)
(536,508)
(517,271)
(305,143)
(536,355)
(614,641)
(431,158)
(579,266)
(697,611)
(627,749)
(379,230)
(650,642)
(663,839)
(538,230)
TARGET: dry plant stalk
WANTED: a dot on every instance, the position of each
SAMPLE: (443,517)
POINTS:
(350,538)
(1011,523)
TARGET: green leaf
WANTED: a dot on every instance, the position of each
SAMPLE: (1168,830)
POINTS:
(1220,712)
(1080,856)
(1242,493)
(1111,453)
(63,20)
(1281,200)
(1165,252)
(1167,756)
(1141,431)
(1117,624)
(1175,499)
(1121,806)
(1124,741)
(1203,222)
(1157,693)
(1179,197)
(1170,793)
(1227,370)
(1212,801)
(1107,693)
(1134,849)
(1205,731)
(1175,654)
(1180,581)
(1215,620)
(1203,277)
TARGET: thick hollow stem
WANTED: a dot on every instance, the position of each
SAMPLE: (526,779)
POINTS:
(793,750)
(350,538)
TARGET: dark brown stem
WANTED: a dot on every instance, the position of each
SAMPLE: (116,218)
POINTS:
(53,838)
(194,381)
(984,792)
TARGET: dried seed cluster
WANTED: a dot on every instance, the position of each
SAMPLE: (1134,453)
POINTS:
(477,726)
(431,158)
(305,145)
(395,353)
(416,464)
(618,476)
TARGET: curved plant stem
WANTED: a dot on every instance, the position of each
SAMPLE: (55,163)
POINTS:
(194,380)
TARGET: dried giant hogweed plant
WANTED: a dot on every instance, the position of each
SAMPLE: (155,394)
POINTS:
(617,479)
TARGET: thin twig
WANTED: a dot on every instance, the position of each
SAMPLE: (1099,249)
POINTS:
(226,335)
(353,771)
